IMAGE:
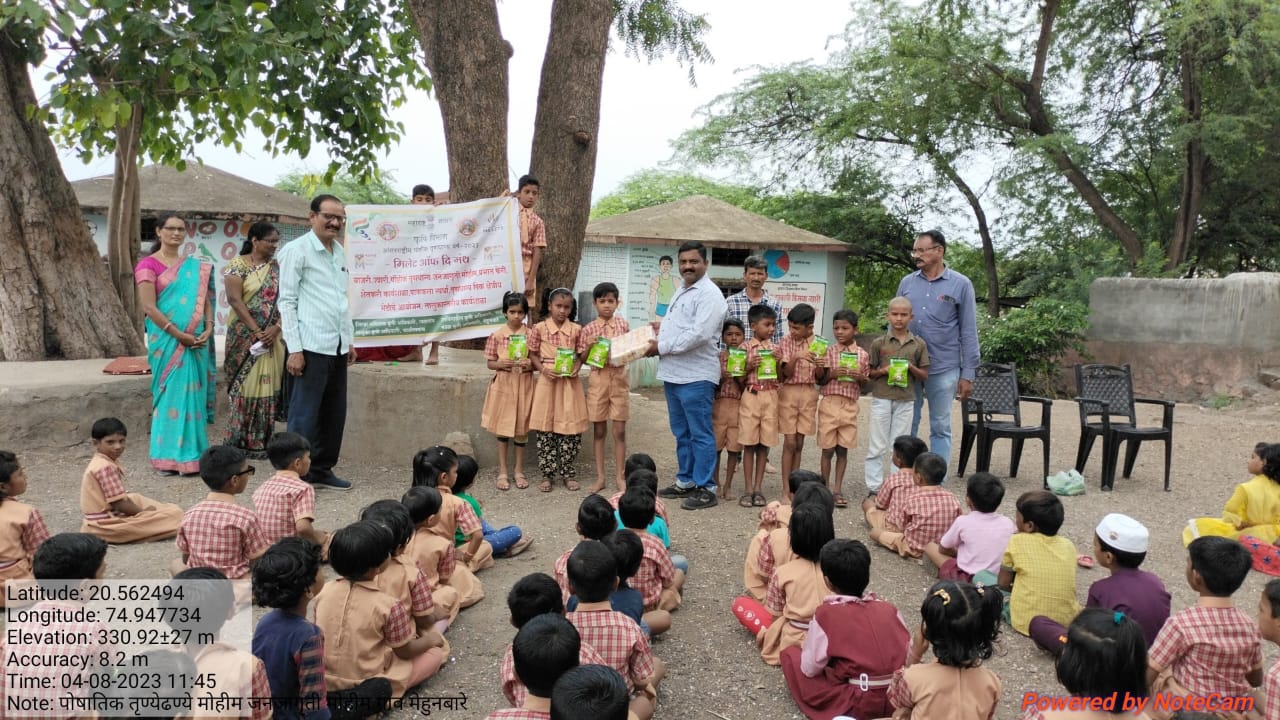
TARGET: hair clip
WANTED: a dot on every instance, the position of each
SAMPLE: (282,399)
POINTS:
(946,596)
(1118,617)
(982,589)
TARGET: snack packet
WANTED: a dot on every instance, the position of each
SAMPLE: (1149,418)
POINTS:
(849,363)
(736,362)
(598,355)
(564,362)
(818,345)
(517,347)
(898,375)
(768,367)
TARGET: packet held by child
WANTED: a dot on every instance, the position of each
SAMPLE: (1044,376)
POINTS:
(598,355)
(735,363)
(898,375)
(847,366)
(564,362)
(818,345)
(768,367)
(517,347)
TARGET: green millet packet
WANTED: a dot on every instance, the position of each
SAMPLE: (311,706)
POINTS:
(598,355)
(768,367)
(898,373)
(517,347)
(564,362)
(849,363)
(735,363)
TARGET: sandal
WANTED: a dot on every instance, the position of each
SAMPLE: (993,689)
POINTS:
(757,500)
(841,502)
(522,482)
(745,500)
(503,484)
(545,485)
(1084,561)
(521,545)
(571,484)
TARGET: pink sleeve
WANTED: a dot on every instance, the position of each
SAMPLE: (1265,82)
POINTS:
(468,521)
(951,538)
(899,691)
(813,655)
(533,341)
(420,595)
(775,601)
(145,271)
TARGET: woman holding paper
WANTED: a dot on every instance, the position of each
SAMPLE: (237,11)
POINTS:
(255,350)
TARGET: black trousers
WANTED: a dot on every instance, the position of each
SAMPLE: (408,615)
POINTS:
(318,409)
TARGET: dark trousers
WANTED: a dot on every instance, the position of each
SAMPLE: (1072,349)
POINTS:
(318,409)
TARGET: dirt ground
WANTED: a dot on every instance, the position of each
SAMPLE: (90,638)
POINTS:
(715,670)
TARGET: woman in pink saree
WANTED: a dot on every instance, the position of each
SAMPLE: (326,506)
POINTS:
(177,296)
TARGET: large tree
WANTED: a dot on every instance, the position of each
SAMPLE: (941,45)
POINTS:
(467,57)
(152,78)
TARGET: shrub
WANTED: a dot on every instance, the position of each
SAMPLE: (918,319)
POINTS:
(1036,338)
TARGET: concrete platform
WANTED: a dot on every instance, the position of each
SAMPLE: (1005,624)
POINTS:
(393,410)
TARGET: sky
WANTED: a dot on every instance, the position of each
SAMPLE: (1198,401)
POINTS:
(645,105)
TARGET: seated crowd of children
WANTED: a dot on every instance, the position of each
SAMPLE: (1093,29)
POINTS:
(582,648)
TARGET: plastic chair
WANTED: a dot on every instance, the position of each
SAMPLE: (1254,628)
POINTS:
(1107,410)
(994,411)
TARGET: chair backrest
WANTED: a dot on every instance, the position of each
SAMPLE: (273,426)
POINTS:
(1111,384)
(996,386)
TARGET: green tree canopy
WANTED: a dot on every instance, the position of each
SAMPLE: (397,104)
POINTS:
(376,190)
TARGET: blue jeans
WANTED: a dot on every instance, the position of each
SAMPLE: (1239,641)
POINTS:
(940,389)
(318,409)
(500,538)
(689,411)
(680,562)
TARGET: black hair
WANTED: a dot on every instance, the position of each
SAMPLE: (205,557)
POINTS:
(760,312)
(393,516)
(533,595)
(466,475)
(544,649)
(908,448)
(219,464)
(1221,562)
(962,622)
(692,245)
(799,477)
(801,314)
(604,289)
(430,464)
(811,527)
(1272,593)
(637,461)
(69,556)
(755,262)
(810,493)
(936,236)
(549,293)
(8,468)
(106,427)
(628,551)
(422,189)
(284,573)
(847,566)
(668,258)
(319,200)
(642,478)
(1124,558)
(595,518)
(285,447)
(1270,457)
(637,508)
(732,323)
(527,180)
(1105,656)
(846,315)
(422,502)
(513,299)
(359,548)
(1042,508)
(200,587)
(932,466)
(590,691)
(257,231)
(592,571)
(161,218)
(985,490)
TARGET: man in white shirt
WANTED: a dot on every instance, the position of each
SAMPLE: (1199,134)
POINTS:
(316,323)
(688,350)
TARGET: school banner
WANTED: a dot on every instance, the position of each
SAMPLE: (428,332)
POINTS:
(421,273)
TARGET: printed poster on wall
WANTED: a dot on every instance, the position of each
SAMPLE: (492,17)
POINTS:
(791,294)
(423,273)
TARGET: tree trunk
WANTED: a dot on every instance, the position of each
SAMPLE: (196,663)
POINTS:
(1195,168)
(56,298)
(984,230)
(124,217)
(565,130)
(467,58)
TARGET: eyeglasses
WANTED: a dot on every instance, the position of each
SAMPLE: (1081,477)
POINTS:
(921,251)
(248,471)
(330,218)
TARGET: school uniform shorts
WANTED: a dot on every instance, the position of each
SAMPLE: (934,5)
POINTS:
(724,421)
(758,418)
(797,409)
(608,395)
(837,422)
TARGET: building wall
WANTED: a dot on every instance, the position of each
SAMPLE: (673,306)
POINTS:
(1187,339)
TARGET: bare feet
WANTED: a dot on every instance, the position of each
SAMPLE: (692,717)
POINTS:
(769,468)
(503,483)
(726,495)
(596,487)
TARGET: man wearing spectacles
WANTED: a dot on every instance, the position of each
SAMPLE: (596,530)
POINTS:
(946,317)
(318,333)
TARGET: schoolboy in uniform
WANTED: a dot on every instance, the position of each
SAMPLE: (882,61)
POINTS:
(544,649)
(838,409)
(658,581)
(111,513)
(608,387)
(896,488)
(727,408)
(893,396)
(926,514)
(798,395)
(285,503)
(532,596)
(595,520)
(758,419)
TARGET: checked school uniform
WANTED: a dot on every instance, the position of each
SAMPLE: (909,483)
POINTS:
(103,484)
(403,580)
(798,396)
(618,640)
(509,398)
(458,514)
(726,411)
(218,533)
(775,515)
(1206,649)
(281,502)
(608,388)
(362,626)
(454,587)
(1271,691)
(519,713)
(758,416)
(892,494)
(653,579)
(659,507)
(515,691)
(22,530)
(559,411)
(838,409)
(933,690)
(924,517)
(795,592)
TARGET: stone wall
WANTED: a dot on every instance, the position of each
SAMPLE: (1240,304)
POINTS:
(1188,340)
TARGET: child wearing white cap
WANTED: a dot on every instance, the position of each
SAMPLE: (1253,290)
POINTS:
(1120,545)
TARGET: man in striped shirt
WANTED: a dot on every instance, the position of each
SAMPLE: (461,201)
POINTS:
(316,321)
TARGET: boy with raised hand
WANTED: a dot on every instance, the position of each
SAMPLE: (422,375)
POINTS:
(899,362)
(608,388)
(1213,648)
